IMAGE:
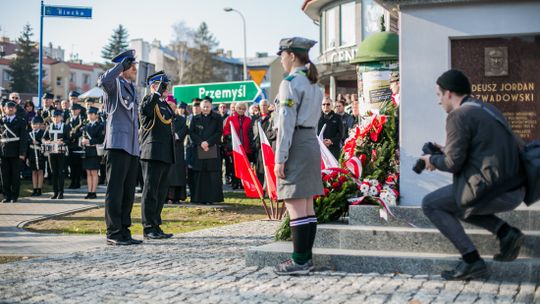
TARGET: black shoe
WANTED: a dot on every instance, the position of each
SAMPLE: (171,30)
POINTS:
(38,192)
(87,196)
(60,195)
(54,196)
(153,236)
(164,235)
(114,242)
(466,271)
(34,192)
(93,195)
(135,242)
(14,200)
(510,245)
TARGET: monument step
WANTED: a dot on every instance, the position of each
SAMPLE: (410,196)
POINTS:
(369,261)
(525,218)
(356,237)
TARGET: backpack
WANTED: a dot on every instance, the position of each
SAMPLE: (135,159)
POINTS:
(530,160)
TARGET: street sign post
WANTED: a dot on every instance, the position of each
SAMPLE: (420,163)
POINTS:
(220,92)
(56,11)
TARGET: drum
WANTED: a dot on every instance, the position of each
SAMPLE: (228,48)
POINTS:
(54,148)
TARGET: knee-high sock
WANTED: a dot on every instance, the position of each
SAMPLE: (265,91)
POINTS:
(300,232)
(313,232)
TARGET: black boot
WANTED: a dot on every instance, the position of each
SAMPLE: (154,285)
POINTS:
(34,192)
(55,195)
(60,195)
(93,195)
(38,192)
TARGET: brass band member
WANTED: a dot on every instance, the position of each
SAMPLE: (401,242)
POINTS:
(76,152)
(12,151)
(93,134)
(36,159)
(55,137)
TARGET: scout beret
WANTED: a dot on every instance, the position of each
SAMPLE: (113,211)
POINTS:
(158,76)
(455,81)
(58,113)
(125,54)
(295,44)
(76,106)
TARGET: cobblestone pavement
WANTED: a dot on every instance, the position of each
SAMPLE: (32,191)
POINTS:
(208,266)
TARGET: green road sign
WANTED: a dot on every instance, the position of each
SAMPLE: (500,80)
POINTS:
(236,91)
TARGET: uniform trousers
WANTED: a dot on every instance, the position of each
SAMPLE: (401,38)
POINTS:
(441,208)
(75,169)
(57,162)
(156,183)
(11,176)
(120,194)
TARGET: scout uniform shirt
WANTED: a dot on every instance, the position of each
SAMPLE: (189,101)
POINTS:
(293,111)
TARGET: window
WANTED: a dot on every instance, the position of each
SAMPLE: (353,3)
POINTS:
(73,78)
(86,79)
(330,28)
(371,17)
(6,76)
(59,81)
(348,28)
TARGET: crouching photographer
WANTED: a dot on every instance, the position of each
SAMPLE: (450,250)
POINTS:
(487,177)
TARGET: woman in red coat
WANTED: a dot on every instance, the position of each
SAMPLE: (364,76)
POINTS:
(242,126)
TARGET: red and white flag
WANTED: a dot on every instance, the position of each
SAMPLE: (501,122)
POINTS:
(354,164)
(269,163)
(243,170)
(327,158)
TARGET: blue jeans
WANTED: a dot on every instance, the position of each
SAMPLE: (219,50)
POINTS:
(441,208)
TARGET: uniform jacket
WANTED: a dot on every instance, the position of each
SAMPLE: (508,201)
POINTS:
(242,126)
(207,128)
(76,125)
(96,133)
(18,127)
(64,136)
(123,117)
(333,131)
(299,104)
(481,155)
(38,137)
(156,137)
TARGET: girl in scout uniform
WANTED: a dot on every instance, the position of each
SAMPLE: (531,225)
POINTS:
(36,159)
(297,150)
(93,134)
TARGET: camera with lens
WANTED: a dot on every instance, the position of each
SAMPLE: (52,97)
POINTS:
(428,148)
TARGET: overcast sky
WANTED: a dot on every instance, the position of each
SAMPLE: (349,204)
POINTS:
(267,22)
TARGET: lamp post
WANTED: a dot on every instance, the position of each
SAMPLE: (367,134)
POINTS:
(230,9)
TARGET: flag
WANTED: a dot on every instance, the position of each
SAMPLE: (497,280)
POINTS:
(268,162)
(327,158)
(243,170)
(354,164)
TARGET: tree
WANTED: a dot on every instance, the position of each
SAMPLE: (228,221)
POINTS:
(23,69)
(181,44)
(117,43)
(203,67)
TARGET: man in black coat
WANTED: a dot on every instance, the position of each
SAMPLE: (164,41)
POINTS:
(13,146)
(205,132)
(157,153)
(334,128)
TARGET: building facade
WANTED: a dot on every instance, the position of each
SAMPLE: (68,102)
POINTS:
(343,24)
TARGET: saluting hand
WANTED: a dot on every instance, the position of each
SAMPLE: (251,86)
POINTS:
(279,170)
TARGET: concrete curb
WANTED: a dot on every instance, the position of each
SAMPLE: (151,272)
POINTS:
(22,224)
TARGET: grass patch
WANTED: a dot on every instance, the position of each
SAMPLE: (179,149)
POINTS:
(176,218)
(9,259)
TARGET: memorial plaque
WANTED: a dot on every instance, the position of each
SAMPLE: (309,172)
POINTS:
(505,72)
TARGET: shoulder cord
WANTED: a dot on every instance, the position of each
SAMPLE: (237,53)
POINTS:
(157,114)
(118,100)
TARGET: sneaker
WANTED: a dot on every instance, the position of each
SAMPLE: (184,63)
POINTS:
(510,245)
(466,271)
(289,267)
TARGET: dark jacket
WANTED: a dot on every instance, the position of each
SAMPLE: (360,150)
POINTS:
(207,128)
(333,131)
(177,174)
(156,133)
(96,133)
(76,125)
(481,154)
(14,148)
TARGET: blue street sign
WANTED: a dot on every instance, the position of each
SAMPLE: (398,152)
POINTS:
(68,11)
